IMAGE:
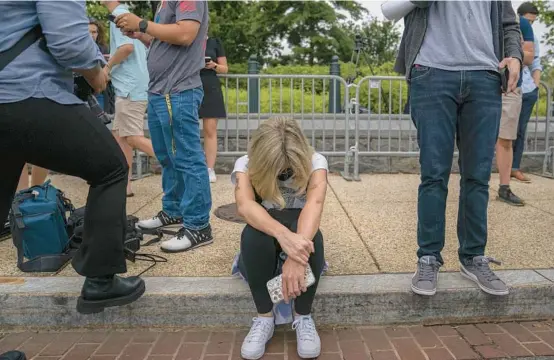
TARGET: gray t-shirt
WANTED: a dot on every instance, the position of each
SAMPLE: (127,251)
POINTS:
(174,68)
(459,37)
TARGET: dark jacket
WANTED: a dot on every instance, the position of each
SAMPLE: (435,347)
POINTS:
(505,28)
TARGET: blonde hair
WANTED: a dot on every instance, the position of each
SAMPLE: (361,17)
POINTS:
(276,146)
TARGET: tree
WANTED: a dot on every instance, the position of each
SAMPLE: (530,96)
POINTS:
(313,28)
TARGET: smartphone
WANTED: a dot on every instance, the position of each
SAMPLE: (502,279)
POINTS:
(111,18)
(207,59)
(505,76)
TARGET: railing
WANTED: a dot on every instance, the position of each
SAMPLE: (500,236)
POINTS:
(345,121)
(316,102)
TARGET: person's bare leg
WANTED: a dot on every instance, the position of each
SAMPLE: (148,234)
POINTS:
(504,157)
(142,143)
(128,152)
(23,179)
(38,175)
(210,145)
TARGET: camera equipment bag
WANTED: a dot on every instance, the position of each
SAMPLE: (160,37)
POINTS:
(38,221)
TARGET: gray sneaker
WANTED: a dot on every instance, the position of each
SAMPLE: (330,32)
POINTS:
(424,281)
(486,279)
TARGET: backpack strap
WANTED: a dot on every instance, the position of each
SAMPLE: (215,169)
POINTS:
(7,56)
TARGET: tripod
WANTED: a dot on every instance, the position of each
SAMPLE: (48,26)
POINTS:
(360,45)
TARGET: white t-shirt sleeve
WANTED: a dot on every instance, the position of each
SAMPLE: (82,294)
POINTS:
(319,162)
(241,165)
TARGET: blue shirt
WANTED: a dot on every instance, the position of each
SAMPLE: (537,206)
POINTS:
(528,84)
(129,78)
(36,73)
(528,35)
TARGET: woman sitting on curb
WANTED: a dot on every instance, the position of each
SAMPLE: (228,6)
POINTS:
(280,191)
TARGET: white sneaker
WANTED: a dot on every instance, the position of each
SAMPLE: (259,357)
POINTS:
(253,346)
(187,239)
(307,339)
(161,220)
(213,178)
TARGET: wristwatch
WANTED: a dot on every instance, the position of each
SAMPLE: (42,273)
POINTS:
(143,24)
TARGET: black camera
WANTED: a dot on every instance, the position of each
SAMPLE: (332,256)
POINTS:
(84,91)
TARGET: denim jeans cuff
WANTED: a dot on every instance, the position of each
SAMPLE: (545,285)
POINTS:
(173,214)
(195,227)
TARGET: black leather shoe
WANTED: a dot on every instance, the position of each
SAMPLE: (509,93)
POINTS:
(13,355)
(101,292)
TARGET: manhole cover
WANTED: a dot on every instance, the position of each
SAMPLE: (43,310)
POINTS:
(229,213)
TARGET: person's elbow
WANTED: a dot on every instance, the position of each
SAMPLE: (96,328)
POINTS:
(188,31)
(127,49)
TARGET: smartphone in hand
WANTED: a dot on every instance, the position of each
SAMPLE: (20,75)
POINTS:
(505,76)
(111,18)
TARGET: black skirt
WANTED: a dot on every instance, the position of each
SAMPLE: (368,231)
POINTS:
(213,105)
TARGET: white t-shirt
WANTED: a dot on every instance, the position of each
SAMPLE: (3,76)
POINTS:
(292,201)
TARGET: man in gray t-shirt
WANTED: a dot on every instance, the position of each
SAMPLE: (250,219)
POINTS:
(452,53)
(177,40)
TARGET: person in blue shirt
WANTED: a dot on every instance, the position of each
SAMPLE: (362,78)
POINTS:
(129,73)
(43,123)
(511,108)
(530,89)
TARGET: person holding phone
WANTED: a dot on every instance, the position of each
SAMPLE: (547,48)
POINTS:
(280,189)
(213,106)
(452,53)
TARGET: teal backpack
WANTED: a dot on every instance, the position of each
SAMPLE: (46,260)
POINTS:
(38,222)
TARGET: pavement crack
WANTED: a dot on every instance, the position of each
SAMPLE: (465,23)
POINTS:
(356,229)
(148,203)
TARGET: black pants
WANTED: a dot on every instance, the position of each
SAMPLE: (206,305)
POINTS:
(69,139)
(259,259)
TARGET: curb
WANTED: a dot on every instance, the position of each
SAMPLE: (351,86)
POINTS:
(380,299)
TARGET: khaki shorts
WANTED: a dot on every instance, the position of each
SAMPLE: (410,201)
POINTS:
(511,108)
(129,117)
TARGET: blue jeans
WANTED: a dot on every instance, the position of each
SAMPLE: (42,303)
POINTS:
(177,146)
(528,102)
(449,107)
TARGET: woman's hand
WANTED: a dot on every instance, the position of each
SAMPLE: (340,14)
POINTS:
(211,64)
(293,279)
(297,247)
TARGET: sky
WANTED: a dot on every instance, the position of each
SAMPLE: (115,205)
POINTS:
(374,8)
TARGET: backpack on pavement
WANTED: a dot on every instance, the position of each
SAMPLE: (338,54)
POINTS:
(38,221)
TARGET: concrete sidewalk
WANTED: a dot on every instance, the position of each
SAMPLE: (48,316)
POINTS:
(368,226)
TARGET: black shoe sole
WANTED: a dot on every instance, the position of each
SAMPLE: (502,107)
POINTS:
(187,249)
(97,306)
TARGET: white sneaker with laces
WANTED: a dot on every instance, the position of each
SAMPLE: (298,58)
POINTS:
(253,346)
(213,178)
(307,339)
(187,239)
(160,221)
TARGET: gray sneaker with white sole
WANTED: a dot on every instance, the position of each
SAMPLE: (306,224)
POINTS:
(480,272)
(424,281)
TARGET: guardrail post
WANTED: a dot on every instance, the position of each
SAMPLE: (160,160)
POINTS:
(334,88)
(253,85)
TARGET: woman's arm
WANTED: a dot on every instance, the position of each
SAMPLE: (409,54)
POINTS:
(293,244)
(254,214)
(310,217)
(221,66)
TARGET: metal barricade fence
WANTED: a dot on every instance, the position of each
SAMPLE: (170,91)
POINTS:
(367,119)
(324,117)
(384,128)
